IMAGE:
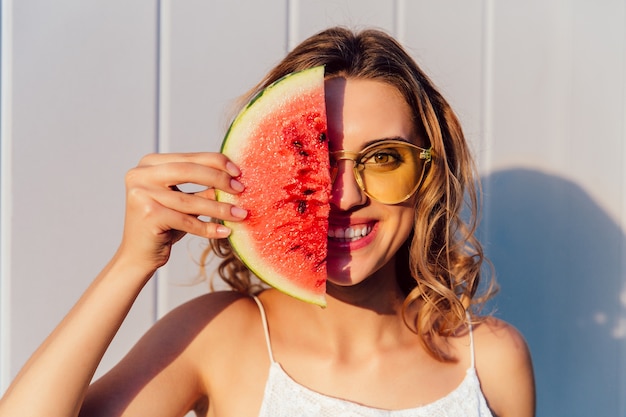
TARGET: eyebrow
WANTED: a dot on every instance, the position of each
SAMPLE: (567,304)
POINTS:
(374,141)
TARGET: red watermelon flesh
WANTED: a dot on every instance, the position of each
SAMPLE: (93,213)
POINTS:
(279,143)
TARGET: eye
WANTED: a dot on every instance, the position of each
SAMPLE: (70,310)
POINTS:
(382,159)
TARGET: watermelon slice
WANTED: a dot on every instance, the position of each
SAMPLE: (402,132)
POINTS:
(279,142)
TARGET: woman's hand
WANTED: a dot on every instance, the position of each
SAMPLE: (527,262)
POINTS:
(158,214)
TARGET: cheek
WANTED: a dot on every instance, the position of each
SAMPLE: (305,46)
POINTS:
(405,216)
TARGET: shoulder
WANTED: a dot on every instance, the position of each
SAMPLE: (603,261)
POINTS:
(215,315)
(214,318)
(496,338)
(225,337)
(229,355)
(211,310)
(504,367)
(211,323)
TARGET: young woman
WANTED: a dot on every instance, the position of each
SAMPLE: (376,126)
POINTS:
(400,336)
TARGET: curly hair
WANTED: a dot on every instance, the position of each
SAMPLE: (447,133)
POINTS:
(439,266)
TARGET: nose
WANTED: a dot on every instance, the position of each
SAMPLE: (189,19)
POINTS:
(346,193)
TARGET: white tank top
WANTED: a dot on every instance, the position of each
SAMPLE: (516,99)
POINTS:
(284,397)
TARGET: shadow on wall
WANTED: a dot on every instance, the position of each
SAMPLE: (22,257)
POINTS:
(557,256)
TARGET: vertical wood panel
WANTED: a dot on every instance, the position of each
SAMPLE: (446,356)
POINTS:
(218,51)
(557,92)
(449,48)
(6,94)
(83,111)
(555,196)
(622,293)
(309,17)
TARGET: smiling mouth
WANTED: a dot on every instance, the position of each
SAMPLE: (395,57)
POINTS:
(349,234)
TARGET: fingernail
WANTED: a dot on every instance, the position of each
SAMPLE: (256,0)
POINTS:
(236,185)
(238,212)
(232,169)
(222,230)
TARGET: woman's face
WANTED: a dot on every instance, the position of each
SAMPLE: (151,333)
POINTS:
(360,112)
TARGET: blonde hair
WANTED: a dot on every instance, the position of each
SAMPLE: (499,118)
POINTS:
(439,266)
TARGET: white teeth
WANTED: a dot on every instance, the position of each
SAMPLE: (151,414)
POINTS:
(349,233)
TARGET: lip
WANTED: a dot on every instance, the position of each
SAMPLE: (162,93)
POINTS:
(337,239)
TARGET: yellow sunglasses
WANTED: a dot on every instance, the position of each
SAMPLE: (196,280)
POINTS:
(389,171)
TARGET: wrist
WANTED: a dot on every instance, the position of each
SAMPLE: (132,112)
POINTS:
(127,267)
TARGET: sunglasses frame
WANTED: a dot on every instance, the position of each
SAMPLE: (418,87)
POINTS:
(356,157)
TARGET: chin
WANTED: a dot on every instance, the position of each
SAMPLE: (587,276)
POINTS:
(340,275)
(340,279)
(347,274)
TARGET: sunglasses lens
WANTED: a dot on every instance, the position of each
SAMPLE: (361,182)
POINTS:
(391,172)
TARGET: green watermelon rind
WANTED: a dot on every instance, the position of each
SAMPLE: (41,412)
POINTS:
(265,102)
(305,79)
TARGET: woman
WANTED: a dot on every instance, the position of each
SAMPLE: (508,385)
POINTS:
(400,335)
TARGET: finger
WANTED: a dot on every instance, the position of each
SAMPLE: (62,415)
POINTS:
(173,174)
(197,205)
(172,220)
(208,193)
(206,229)
(210,159)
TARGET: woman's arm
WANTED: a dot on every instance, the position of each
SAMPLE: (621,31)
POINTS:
(165,373)
(55,379)
(504,366)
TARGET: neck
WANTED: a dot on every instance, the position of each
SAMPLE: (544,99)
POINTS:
(359,319)
(365,314)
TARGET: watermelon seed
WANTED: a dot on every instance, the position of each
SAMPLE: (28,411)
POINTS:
(301,206)
(304,153)
(308,191)
(320,265)
(297,144)
(296,247)
(323,137)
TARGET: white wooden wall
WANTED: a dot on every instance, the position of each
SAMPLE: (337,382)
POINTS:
(88,87)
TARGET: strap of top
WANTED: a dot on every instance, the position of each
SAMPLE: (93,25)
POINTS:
(265,327)
(471,336)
